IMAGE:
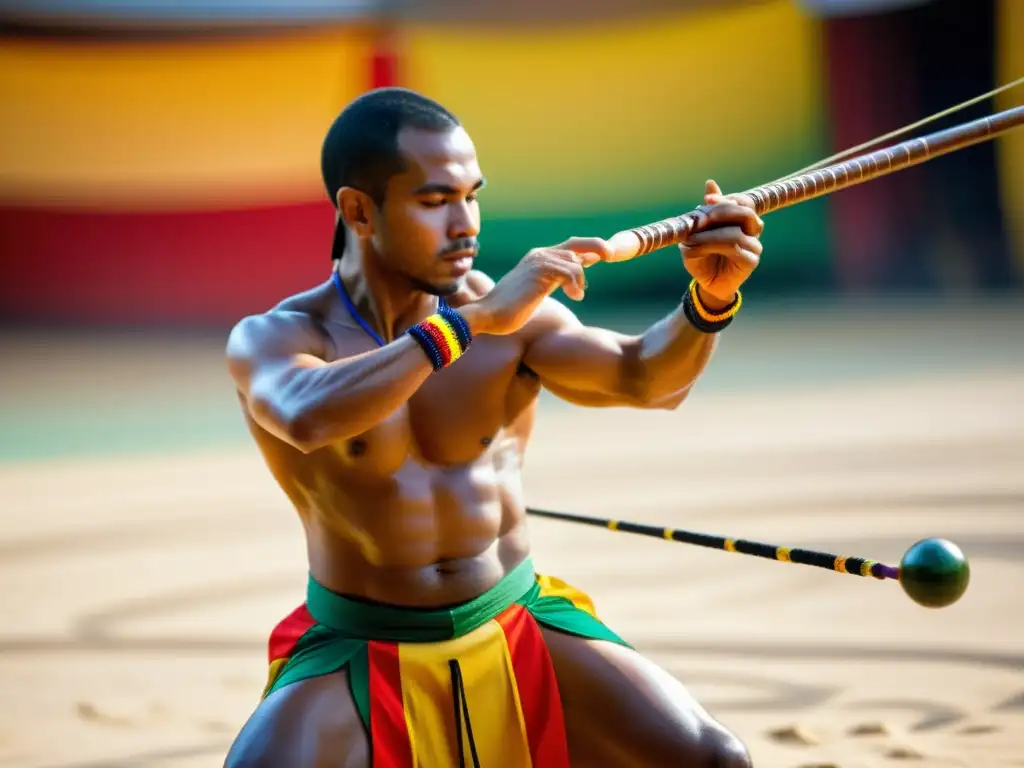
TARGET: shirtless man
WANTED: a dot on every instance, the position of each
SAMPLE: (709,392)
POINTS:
(393,404)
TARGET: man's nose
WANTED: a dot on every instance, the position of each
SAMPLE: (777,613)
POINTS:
(464,221)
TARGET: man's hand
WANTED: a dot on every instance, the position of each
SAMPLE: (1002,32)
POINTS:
(514,299)
(723,249)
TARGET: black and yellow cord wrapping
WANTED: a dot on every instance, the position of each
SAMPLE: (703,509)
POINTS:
(855,566)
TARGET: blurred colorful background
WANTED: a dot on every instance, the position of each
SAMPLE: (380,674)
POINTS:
(159,180)
(159,160)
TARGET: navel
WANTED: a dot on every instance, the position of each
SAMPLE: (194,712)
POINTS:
(446,568)
(356,447)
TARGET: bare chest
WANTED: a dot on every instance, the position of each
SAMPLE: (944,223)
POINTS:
(485,398)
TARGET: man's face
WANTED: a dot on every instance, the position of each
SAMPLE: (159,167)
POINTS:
(428,225)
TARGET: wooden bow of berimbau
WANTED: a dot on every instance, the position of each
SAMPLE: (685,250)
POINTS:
(831,175)
(933,572)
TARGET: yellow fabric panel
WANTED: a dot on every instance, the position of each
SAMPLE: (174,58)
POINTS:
(1010,147)
(491,692)
(552,586)
(183,123)
(567,116)
(273,671)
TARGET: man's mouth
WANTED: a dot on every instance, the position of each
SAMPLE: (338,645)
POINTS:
(461,263)
(468,249)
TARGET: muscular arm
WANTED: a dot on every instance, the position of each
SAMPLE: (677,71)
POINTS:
(277,362)
(593,366)
(598,367)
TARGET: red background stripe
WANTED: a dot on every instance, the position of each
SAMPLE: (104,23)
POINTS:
(207,268)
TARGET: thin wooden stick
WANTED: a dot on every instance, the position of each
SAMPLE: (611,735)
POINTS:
(855,566)
(905,129)
(630,243)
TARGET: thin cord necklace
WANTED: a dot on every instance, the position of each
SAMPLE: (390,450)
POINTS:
(442,305)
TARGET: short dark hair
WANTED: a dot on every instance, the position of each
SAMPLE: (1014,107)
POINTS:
(361,146)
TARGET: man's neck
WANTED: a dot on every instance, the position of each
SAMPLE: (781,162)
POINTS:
(384,300)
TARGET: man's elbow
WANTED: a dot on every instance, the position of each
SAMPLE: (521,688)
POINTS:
(659,401)
(643,390)
(673,401)
(295,425)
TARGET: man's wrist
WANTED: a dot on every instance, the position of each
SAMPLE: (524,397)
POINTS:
(704,318)
(712,302)
(475,317)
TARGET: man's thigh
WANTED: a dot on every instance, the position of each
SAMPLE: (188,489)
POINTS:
(313,723)
(622,709)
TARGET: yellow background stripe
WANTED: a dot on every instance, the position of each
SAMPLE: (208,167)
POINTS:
(573,114)
(492,695)
(174,124)
(203,123)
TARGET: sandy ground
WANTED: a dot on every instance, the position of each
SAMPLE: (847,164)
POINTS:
(138,590)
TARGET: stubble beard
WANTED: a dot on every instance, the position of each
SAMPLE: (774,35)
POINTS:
(436,290)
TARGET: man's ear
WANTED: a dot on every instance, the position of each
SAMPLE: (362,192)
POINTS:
(356,209)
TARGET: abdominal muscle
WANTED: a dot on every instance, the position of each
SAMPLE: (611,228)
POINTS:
(423,537)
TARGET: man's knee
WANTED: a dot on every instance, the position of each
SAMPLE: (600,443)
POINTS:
(724,750)
(709,746)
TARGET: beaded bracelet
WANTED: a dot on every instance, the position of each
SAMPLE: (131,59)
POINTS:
(444,337)
(704,319)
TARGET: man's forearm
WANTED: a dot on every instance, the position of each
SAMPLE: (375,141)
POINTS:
(311,407)
(672,356)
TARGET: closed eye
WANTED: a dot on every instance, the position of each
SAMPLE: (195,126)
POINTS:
(436,195)
(437,201)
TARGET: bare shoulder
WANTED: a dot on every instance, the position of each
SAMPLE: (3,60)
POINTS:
(276,332)
(293,327)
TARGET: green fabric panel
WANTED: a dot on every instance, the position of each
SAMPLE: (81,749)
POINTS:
(359,682)
(560,614)
(323,649)
(362,619)
(320,651)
